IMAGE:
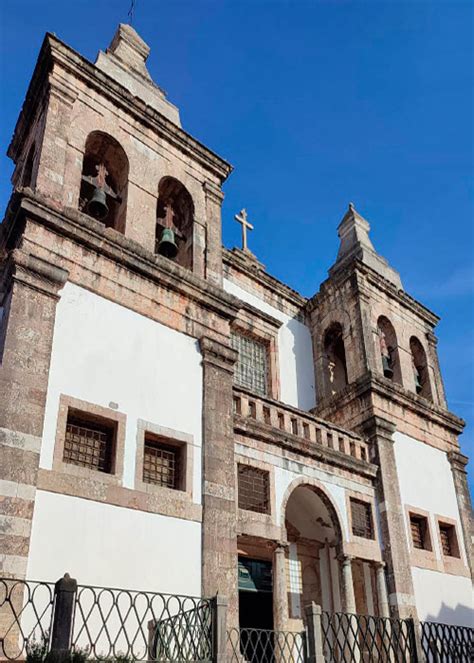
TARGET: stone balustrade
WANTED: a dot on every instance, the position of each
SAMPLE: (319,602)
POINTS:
(298,423)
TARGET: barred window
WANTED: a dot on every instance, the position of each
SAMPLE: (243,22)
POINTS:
(251,370)
(361,513)
(254,489)
(418,527)
(161,464)
(449,545)
(89,443)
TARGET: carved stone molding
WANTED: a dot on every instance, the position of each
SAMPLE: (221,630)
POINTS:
(219,355)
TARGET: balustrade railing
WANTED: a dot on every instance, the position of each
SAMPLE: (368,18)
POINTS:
(298,423)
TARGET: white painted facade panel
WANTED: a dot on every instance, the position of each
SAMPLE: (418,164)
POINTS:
(105,353)
(295,352)
(426,482)
(102,544)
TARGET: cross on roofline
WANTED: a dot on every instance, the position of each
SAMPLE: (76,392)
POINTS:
(241,218)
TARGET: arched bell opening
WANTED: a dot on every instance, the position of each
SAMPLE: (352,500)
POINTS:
(315,545)
(335,355)
(104,181)
(27,179)
(174,222)
(420,369)
(388,348)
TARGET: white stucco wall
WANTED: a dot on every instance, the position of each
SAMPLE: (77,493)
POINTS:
(101,544)
(295,352)
(104,353)
(426,482)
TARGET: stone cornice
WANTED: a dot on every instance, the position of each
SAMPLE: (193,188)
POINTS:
(371,383)
(129,254)
(365,275)
(235,259)
(54,51)
(261,315)
(34,273)
(458,461)
(219,355)
(271,435)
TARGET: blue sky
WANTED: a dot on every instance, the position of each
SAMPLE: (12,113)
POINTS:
(315,104)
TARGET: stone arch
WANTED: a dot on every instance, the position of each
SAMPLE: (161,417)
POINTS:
(326,498)
(175,212)
(388,350)
(104,180)
(420,368)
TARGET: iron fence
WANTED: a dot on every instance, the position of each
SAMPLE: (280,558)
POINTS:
(251,645)
(103,623)
(442,643)
(347,638)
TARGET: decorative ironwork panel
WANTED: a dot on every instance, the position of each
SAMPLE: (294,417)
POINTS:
(261,646)
(161,464)
(87,447)
(442,643)
(254,489)
(362,524)
(251,369)
(348,638)
(26,610)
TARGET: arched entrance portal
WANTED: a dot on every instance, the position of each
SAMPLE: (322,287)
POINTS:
(315,543)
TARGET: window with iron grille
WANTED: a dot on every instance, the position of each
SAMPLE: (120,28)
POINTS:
(361,513)
(161,464)
(251,370)
(254,489)
(89,443)
(418,526)
(448,540)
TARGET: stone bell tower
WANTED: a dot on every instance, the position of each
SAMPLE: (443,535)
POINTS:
(377,372)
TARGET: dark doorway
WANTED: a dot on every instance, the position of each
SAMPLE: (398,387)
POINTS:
(255,609)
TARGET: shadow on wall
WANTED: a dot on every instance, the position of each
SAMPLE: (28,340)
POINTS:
(461,615)
(303,353)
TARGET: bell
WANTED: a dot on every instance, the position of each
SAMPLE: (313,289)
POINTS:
(387,369)
(167,246)
(97,205)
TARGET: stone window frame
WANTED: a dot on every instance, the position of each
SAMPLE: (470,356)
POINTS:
(254,523)
(262,328)
(359,546)
(170,437)
(426,558)
(118,419)
(454,565)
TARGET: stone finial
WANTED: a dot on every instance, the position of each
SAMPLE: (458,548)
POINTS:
(130,48)
(355,243)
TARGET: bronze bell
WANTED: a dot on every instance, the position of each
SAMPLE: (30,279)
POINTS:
(97,205)
(387,368)
(167,246)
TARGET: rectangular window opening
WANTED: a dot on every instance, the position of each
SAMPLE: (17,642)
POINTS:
(254,489)
(251,369)
(362,524)
(448,539)
(89,442)
(419,532)
(162,463)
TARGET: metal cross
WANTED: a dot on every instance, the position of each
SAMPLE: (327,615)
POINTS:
(241,218)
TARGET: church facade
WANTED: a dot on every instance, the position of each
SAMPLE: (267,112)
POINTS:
(173,418)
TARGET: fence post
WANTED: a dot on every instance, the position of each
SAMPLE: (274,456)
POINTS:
(220,629)
(415,627)
(315,633)
(63,618)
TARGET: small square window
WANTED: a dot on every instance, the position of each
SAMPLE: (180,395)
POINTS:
(89,442)
(162,463)
(254,489)
(361,513)
(449,544)
(419,532)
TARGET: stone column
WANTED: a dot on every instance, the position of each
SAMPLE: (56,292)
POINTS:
(30,293)
(395,545)
(349,602)
(219,539)
(382,590)
(280,588)
(458,467)
(213,259)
